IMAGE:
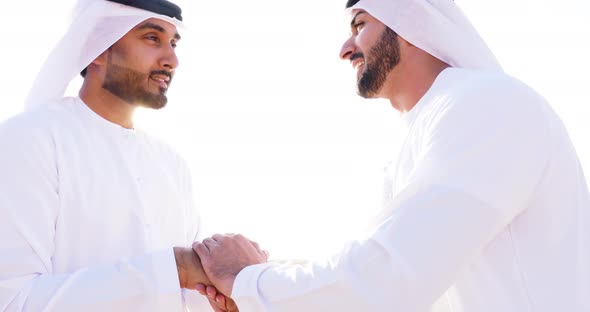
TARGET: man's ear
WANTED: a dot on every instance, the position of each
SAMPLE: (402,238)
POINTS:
(102,59)
(99,63)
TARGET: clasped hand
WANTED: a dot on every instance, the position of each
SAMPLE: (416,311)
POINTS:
(222,258)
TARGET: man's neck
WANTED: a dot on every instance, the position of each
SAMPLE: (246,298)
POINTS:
(407,90)
(108,106)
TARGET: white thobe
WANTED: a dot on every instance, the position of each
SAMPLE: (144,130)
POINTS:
(89,213)
(487,210)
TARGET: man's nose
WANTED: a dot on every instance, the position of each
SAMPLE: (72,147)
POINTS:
(347,49)
(169,59)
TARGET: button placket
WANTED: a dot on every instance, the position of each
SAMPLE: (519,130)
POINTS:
(135,163)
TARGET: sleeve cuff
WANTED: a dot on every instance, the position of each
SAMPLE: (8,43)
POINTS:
(245,290)
(161,278)
(163,264)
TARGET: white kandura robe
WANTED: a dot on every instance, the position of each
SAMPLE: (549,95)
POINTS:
(487,210)
(89,212)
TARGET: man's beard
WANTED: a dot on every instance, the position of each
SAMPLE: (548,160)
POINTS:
(382,58)
(127,84)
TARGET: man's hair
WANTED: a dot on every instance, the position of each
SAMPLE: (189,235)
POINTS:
(83,72)
(350,3)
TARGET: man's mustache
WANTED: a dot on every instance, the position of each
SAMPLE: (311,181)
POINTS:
(356,55)
(161,72)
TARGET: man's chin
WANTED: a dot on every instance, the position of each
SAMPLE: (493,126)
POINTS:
(366,94)
(368,88)
(154,100)
(154,103)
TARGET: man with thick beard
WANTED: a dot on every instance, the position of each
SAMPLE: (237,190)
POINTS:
(91,208)
(487,207)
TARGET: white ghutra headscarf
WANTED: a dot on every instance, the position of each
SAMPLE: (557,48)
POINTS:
(96,25)
(435,26)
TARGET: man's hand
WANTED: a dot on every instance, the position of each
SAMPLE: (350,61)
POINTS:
(224,256)
(218,302)
(190,271)
(192,276)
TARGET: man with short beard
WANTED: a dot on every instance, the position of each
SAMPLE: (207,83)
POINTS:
(486,209)
(91,207)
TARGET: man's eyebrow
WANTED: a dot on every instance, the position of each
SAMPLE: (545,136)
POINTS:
(354,18)
(156,27)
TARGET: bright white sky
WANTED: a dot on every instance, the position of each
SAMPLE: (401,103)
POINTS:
(280,146)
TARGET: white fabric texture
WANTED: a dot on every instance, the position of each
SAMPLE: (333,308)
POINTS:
(89,212)
(487,210)
(438,27)
(96,25)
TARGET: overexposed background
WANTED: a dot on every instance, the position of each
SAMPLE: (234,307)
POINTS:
(281,147)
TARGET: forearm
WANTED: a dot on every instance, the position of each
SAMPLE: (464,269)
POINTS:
(360,279)
(394,270)
(190,270)
(146,283)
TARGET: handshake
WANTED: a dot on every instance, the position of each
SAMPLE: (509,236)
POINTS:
(211,266)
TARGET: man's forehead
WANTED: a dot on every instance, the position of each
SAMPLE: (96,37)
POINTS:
(354,12)
(157,22)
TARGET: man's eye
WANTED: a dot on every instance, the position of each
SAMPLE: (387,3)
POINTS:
(153,38)
(358,26)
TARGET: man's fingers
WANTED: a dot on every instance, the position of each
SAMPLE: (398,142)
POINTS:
(241,238)
(202,250)
(218,237)
(195,244)
(230,305)
(215,306)
(202,289)
(209,242)
(216,299)
(220,299)
(211,291)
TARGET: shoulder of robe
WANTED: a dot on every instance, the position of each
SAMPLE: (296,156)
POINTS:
(485,103)
(487,94)
(483,88)
(31,128)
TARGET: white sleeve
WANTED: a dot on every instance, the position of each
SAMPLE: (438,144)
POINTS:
(29,204)
(193,301)
(360,278)
(192,215)
(479,162)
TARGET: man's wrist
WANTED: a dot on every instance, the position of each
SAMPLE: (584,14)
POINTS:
(188,265)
